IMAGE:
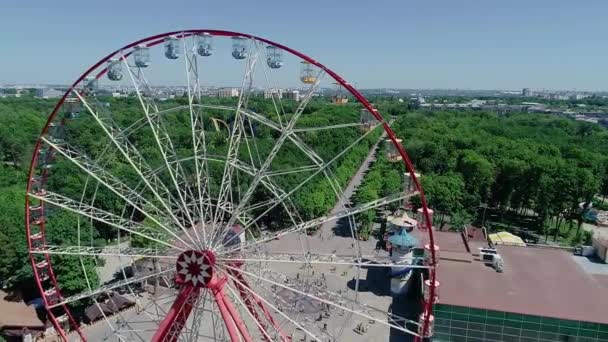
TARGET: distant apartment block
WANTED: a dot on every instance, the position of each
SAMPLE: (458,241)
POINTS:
(227,92)
(273,92)
(292,95)
(562,95)
(48,93)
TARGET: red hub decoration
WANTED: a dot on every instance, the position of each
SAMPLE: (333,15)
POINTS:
(195,268)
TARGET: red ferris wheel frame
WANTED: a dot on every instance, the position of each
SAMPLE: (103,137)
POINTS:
(175,320)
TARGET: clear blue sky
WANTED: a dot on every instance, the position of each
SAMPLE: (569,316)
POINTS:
(557,44)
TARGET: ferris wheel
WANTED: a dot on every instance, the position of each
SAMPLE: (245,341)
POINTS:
(198,227)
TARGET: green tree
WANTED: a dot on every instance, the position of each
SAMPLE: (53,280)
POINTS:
(459,220)
(478,174)
(445,194)
(13,254)
(72,274)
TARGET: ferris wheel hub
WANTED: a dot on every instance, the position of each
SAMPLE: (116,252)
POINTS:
(195,268)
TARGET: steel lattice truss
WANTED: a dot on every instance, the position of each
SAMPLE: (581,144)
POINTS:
(204,226)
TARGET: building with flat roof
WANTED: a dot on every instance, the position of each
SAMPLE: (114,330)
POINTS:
(48,93)
(228,92)
(292,95)
(542,294)
(273,93)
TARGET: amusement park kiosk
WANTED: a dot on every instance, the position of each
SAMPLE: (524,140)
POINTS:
(402,250)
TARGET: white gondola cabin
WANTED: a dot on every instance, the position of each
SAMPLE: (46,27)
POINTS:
(204,44)
(115,69)
(239,47)
(274,57)
(141,56)
(367,120)
(55,132)
(90,85)
(409,185)
(44,161)
(422,220)
(72,108)
(392,154)
(172,48)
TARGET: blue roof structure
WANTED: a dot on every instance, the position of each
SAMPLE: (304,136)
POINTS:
(403,239)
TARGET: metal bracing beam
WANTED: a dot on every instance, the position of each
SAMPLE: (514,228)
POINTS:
(164,144)
(134,158)
(102,216)
(320,220)
(319,170)
(235,139)
(358,312)
(108,251)
(112,286)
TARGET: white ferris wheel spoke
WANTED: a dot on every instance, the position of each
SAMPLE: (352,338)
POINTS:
(261,172)
(234,143)
(282,303)
(328,127)
(127,132)
(197,316)
(341,299)
(280,113)
(109,251)
(249,114)
(164,144)
(104,177)
(321,300)
(112,286)
(198,134)
(318,221)
(286,133)
(274,308)
(299,169)
(307,150)
(137,162)
(100,215)
(111,183)
(320,259)
(242,305)
(319,170)
(86,277)
(238,165)
(277,127)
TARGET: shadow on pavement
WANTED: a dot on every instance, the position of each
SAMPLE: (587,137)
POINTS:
(408,306)
(342,228)
(376,281)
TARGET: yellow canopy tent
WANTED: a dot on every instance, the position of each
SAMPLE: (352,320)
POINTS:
(506,238)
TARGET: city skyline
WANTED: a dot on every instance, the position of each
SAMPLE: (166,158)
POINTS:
(437,45)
